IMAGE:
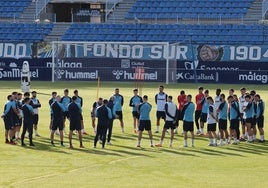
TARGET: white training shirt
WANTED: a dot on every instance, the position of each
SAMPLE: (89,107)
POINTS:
(172,109)
(161,101)
(210,119)
(217,102)
(35,101)
(241,103)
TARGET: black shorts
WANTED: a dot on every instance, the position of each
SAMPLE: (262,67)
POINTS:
(9,123)
(211,127)
(145,124)
(65,115)
(57,123)
(254,121)
(160,114)
(249,120)
(188,126)
(203,117)
(135,114)
(234,124)
(223,124)
(75,125)
(243,121)
(35,119)
(169,125)
(51,116)
(120,114)
(197,114)
(19,122)
(81,117)
(180,115)
(260,121)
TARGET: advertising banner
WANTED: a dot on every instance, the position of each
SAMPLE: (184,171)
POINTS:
(138,50)
(222,72)
(10,69)
(110,69)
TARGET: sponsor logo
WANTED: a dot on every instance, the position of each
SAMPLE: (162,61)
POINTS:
(190,65)
(209,53)
(16,73)
(117,73)
(65,64)
(199,76)
(194,65)
(75,75)
(139,75)
(253,76)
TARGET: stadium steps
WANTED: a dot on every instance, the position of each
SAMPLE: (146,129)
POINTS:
(58,30)
(28,14)
(120,12)
(254,13)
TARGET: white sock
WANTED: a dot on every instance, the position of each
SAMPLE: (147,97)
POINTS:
(214,140)
(82,130)
(161,142)
(157,128)
(17,134)
(170,142)
(250,138)
(202,131)
(123,130)
(221,141)
(243,135)
(151,141)
(192,142)
(139,142)
(261,137)
(211,141)
(246,134)
(254,137)
(185,142)
(235,140)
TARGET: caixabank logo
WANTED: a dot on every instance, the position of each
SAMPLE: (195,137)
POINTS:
(251,76)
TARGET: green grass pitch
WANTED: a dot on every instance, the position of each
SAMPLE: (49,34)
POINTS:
(122,164)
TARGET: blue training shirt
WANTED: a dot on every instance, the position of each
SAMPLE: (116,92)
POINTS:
(145,109)
(188,111)
(66,100)
(134,101)
(234,110)
(260,108)
(8,108)
(118,102)
(223,110)
(204,105)
(249,110)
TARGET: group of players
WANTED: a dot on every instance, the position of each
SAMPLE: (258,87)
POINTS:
(247,109)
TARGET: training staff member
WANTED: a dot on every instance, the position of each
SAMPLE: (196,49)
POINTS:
(104,114)
(28,113)
(58,110)
(75,120)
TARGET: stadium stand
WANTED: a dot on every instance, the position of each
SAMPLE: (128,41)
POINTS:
(228,9)
(195,33)
(24,32)
(13,8)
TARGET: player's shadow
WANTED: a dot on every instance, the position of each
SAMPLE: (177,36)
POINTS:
(259,149)
(147,149)
(177,151)
(125,137)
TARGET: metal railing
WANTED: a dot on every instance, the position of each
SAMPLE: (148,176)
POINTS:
(264,8)
(110,5)
(40,5)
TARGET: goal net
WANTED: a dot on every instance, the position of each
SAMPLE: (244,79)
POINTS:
(136,62)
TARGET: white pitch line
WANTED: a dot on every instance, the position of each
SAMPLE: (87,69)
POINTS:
(70,171)
(124,159)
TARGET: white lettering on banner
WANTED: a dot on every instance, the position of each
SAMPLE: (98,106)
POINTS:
(243,53)
(253,76)
(80,75)
(132,76)
(66,64)
(16,73)
(11,50)
(202,76)
(135,51)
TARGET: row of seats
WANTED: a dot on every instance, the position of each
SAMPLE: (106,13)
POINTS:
(13,8)
(24,32)
(144,9)
(211,34)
